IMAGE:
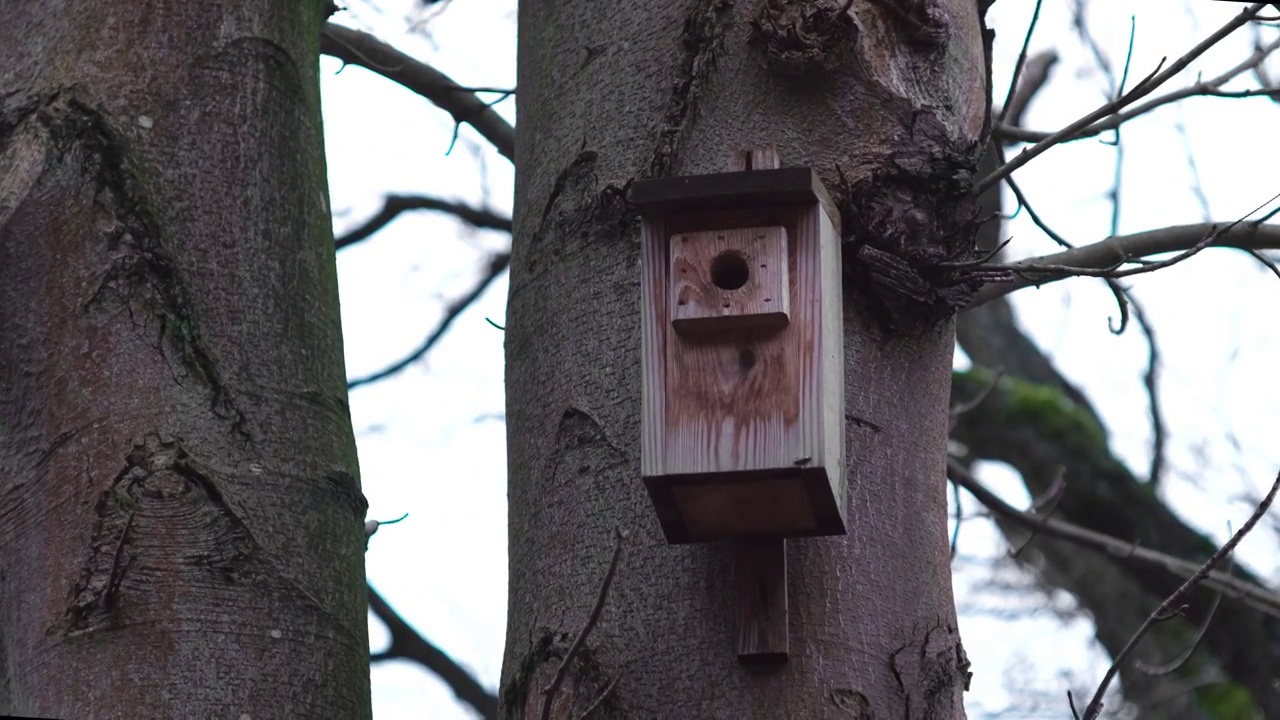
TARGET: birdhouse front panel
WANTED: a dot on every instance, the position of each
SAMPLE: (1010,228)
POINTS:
(729,279)
(742,427)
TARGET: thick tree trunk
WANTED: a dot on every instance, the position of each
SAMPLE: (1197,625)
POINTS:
(888,103)
(180,517)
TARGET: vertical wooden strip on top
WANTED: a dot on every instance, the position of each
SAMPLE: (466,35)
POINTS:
(760,566)
(653,346)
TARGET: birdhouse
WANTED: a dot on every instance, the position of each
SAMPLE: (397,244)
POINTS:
(742,355)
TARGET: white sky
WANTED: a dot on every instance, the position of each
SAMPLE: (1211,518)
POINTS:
(432,439)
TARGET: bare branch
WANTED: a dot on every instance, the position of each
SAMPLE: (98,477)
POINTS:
(1010,132)
(549,693)
(1108,254)
(360,48)
(1151,381)
(1034,75)
(1182,657)
(393,205)
(407,644)
(1229,585)
(1018,66)
(1045,505)
(1145,87)
(1168,608)
(497,264)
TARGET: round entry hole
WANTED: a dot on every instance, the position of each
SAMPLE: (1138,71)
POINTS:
(729,270)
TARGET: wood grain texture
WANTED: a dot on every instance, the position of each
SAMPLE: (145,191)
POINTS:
(761,634)
(729,280)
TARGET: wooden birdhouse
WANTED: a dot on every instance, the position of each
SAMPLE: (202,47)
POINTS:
(743,357)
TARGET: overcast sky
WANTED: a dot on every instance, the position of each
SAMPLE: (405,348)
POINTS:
(432,438)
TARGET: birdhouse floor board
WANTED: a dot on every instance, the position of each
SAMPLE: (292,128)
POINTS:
(791,502)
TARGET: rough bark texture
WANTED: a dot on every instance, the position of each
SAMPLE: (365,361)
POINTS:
(180,518)
(889,105)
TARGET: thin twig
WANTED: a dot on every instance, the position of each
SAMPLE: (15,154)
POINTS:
(1035,218)
(1151,382)
(1167,608)
(603,695)
(1117,175)
(961,408)
(955,535)
(1021,62)
(1266,261)
(393,205)
(497,264)
(1185,655)
(1145,87)
(1049,499)
(1034,75)
(1254,596)
(407,644)
(549,693)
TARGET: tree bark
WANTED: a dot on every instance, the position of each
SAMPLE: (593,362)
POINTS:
(180,514)
(889,104)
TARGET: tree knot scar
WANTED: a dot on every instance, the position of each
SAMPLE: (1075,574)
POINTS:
(851,701)
(910,225)
(801,37)
(921,23)
(162,514)
(578,211)
(143,278)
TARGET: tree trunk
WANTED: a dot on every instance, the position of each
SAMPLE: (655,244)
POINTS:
(180,515)
(889,103)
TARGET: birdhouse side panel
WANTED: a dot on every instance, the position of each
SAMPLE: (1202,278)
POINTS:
(654,264)
(831,355)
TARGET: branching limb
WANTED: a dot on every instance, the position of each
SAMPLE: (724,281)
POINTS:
(360,48)
(1104,257)
(407,644)
(1170,606)
(1145,87)
(497,264)
(1230,586)
(393,205)
(1011,132)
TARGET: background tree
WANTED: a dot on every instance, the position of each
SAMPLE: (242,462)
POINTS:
(180,515)
(1202,178)
(1032,419)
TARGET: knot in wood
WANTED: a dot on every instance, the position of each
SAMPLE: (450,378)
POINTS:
(799,38)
